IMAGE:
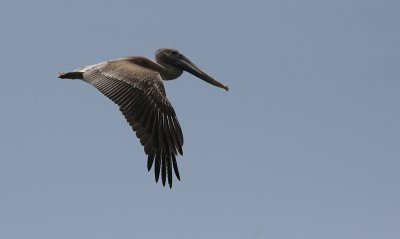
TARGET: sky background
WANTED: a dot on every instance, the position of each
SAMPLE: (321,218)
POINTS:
(306,144)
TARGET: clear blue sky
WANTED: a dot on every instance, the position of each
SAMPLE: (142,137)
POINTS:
(306,144)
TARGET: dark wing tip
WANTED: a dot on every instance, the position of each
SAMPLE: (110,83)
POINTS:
(150,160)
(157,167)
(164,170)
(164,164)
(169,169)
(145,106)
(175,165)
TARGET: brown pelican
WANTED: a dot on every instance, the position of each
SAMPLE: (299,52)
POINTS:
(135,85)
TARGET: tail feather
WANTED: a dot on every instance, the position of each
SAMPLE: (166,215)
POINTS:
(70,75)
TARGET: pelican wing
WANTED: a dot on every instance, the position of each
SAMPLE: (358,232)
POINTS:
(139,92)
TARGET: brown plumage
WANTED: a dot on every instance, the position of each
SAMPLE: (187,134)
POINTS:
(135,85)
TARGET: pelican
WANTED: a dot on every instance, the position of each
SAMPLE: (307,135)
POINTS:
(135,84)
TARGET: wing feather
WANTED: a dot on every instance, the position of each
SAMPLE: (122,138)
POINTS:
(140,95)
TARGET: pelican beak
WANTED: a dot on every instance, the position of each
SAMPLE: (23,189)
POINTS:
(188,66)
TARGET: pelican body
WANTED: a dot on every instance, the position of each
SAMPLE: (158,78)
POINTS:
(135,85)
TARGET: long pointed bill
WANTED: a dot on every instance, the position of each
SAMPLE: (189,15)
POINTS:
(188,66)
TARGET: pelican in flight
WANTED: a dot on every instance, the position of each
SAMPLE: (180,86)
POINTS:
(135,85)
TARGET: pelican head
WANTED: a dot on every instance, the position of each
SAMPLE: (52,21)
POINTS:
(178,60)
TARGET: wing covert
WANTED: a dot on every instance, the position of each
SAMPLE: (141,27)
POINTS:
(140,94)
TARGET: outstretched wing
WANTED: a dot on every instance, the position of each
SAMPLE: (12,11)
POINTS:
(139,92)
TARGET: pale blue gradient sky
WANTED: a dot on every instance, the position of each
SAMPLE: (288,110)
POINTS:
(306,144)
